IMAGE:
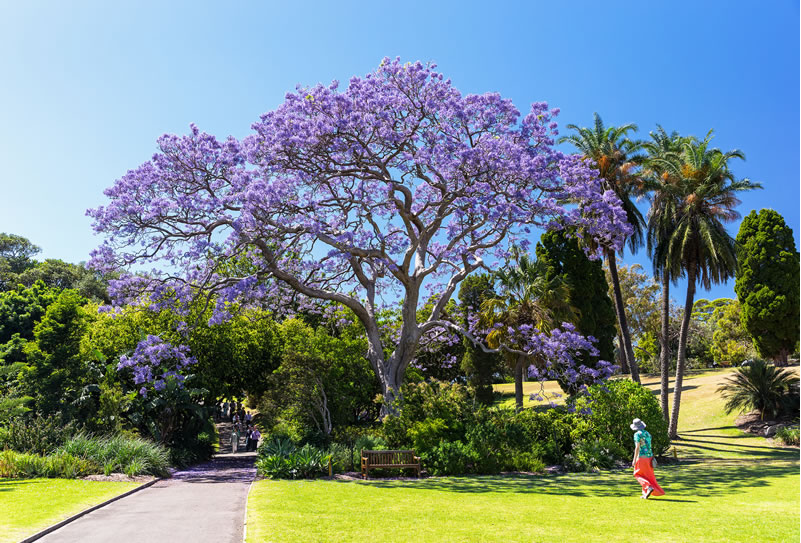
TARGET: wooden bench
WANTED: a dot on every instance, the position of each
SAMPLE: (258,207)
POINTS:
(389,459)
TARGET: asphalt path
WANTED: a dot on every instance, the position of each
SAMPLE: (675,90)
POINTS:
(203,503)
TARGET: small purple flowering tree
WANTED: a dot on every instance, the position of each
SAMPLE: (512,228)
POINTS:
(399,187)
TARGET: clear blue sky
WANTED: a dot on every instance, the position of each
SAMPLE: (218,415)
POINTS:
(87,87)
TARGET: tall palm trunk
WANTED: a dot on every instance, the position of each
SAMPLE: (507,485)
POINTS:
(682,354)
(624,364)
(519,383)
(664,346)
(621,317)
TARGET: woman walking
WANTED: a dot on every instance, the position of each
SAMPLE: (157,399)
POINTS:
(643,461)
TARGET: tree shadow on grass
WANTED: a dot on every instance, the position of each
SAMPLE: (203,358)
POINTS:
(758,452)
(690,481)
(7,485)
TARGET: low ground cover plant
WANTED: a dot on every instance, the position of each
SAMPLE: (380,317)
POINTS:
(85,454)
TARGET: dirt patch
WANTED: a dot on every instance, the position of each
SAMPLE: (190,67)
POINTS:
(120,478)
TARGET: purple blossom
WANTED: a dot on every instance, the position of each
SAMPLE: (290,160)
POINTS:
(395,185)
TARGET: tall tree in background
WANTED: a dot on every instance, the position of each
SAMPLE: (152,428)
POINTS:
(478,365)
(585,278)
(526,298)
(16,256)
(662,217)
(616,156)
(767,283)
(705,194)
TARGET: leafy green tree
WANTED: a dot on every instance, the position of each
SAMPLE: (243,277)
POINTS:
(731,343)
(56,376)
(704,195)
(60,275)
(478,366)
(16,254)
(767,283)
(21,308)
(323,381)
(616,156)
(595,313)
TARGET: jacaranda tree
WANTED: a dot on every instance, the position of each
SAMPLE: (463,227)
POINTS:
(396,185)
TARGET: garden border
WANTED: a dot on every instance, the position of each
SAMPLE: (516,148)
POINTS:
(54,527)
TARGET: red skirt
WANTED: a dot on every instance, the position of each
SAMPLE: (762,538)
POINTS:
(644,473)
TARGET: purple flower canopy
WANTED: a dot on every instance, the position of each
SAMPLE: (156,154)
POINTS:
(397,182)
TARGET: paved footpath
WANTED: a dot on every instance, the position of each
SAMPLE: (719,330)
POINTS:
(200,504)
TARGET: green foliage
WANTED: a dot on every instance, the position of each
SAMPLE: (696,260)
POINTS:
(439,422)
(595,313)
(15,257)
(38,435)
(788,436)
(56,376)
(121,453)
(770,390)
(323,382)
(607,411)
(593,455)
(767,283)
(280,459)
(83,455)
(478,366)
(21,308)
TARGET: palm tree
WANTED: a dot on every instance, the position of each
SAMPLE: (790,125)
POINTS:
(525,296)
(616,158)
(760,387)
(703,190)
(661,222)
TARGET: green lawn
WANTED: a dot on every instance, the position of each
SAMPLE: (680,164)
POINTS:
(730,487)
(29,505)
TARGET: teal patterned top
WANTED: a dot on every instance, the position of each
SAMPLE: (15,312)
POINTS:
(644,439)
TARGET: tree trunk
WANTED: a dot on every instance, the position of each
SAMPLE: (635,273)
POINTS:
(781,360)
(680,361)
(519,383)
(624,364)
(621,316)
(664,347)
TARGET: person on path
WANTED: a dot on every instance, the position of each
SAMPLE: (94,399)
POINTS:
(234,439)
(255,436)
(643,461)
(248,417)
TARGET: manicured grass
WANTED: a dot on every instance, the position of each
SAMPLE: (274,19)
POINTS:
(729,487)
(29,505)
(726,502)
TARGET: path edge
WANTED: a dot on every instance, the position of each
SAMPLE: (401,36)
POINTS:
(245,521)
(54,527)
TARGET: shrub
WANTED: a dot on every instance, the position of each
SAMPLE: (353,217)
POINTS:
(592,455)
(606,412)
(40,435)
(280,459)
(127,454)
(528,461)
(761,387)
(788,436)
(26,465)
(450,458)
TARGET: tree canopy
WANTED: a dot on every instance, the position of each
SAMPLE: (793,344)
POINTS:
(397,184)
(767,283)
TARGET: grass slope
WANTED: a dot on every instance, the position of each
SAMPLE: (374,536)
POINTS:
(730,487)
(30,505)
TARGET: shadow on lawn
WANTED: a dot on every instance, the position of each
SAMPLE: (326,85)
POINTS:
(684,481)
(7,485)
